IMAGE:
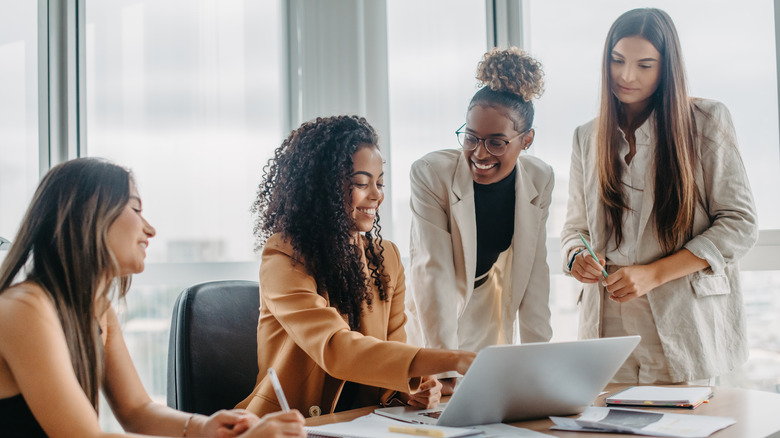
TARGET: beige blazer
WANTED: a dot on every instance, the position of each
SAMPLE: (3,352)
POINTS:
(700,317)
(311,347)
(443,251)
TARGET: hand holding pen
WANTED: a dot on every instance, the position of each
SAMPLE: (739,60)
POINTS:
(587,266)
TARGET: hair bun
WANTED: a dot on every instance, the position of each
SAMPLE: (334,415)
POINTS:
(512,70)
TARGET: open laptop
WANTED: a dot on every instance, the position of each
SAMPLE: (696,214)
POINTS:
(519,382)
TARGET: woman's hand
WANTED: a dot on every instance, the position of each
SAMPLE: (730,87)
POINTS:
(448,385)
(465,358)
(275,425)
(586,269)
(428,395)
(631,282)
(224,423)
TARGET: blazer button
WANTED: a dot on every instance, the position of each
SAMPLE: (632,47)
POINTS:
(315,411)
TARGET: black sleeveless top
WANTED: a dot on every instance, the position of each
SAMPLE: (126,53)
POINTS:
(16,419)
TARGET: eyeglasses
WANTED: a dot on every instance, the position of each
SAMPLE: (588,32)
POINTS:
(494,146)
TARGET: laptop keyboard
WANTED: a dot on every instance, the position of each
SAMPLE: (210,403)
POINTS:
(433,414)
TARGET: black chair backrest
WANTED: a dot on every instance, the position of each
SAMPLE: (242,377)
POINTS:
(212,356)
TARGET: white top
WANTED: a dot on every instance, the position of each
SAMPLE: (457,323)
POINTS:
(634,186)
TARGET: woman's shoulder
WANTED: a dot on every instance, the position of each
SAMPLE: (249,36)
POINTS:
(586,128)
(26,303)
(278,242)
(438,160)
(534,165)
(28,294)
(708,107)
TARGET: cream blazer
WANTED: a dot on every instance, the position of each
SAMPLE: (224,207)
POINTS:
(700,317)
(443,251)
(311,347)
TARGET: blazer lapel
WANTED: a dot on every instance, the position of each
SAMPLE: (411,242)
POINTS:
(524,239)
(464,219)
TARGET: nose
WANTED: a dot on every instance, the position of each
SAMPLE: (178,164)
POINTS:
(149,229)
(628,73)
(481,151)
(375,192)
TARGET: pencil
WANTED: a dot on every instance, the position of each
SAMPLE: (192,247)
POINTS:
(420,431)
(278,390)
(592,254)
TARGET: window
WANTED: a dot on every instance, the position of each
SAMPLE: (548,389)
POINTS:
(433,50)
(19,161)
(185,94)
(729,52)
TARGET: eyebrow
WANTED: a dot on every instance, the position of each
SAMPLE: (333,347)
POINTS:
(368,174)
(616,53)
(499,134)
(137,199)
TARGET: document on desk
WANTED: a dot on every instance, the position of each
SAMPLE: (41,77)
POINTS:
(377,426)
(679,397)
(641,422)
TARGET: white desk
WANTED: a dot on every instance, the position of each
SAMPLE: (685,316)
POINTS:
(757,414)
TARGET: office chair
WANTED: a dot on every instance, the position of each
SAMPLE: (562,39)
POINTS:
(212,355)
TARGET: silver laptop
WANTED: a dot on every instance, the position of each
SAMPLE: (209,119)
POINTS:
(520,382)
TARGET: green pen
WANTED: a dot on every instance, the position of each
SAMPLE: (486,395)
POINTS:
(592,254)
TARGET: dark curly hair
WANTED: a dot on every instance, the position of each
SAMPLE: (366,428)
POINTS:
(303,195)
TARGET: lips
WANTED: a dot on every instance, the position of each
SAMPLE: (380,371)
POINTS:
(483,166)
(367,211)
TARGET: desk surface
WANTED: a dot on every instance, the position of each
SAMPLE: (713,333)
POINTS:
(757,414)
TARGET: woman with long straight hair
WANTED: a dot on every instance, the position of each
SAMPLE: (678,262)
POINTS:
(81,239)
(658,188)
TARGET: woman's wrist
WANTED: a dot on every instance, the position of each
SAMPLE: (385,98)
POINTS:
(194,425)
(573,253)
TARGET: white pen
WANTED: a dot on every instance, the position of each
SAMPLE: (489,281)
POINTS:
(278,390)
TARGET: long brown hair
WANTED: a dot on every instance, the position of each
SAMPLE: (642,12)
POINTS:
(675,191)
(62,241)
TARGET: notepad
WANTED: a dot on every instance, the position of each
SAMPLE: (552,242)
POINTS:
(680,397)
(377,426)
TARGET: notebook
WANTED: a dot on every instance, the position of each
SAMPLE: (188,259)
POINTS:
(376,426)
(678,397)
(520,382)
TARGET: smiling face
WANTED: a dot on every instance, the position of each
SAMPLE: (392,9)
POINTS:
(488,122)
(128,236)
(367,183)
(635,69)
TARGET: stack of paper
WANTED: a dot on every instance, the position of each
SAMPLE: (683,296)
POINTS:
(620,420)
(681,397)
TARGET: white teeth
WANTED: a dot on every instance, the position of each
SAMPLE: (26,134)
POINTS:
(143,245)
(483,166)
(368,210)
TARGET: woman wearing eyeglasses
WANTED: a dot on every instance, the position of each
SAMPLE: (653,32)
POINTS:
(478,256)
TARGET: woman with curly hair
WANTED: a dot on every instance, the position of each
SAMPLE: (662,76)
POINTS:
(478,255)
(82,238)
(331,290)
(658,187)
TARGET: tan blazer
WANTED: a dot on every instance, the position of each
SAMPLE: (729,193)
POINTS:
(310,346)
(700,317)
(443,251)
